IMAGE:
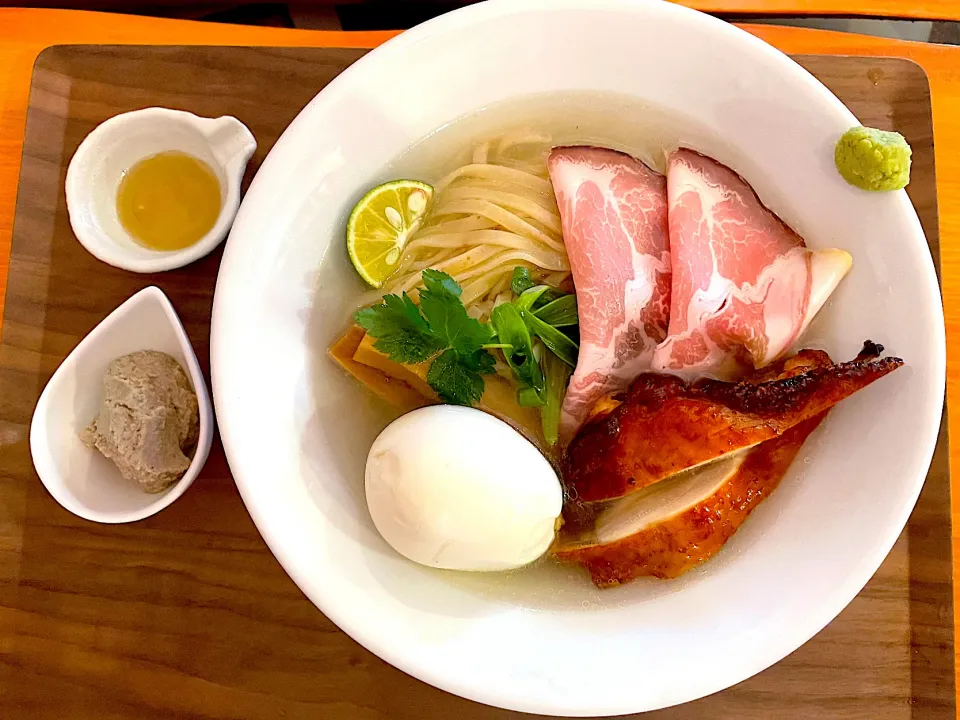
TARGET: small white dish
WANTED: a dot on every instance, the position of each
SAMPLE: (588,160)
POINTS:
(79,478)
(114,146)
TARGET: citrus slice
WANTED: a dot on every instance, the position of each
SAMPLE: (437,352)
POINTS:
(380,225)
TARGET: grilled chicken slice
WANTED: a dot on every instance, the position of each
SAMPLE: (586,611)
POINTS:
(662,425)
(675,525)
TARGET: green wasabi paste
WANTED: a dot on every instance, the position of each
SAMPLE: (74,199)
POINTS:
(872,159)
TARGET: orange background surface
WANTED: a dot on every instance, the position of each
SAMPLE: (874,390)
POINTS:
(24,33)
(930,9)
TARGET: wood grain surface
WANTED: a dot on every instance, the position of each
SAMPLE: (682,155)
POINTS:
(187,614)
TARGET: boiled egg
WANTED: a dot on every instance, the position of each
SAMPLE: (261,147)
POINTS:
(453,487)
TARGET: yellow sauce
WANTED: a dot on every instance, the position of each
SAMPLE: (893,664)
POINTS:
(168,201)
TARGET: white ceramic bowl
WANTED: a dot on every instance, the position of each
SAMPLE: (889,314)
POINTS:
(80,478)
(296,430)
(113,147)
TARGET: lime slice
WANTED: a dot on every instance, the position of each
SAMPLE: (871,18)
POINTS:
(380,225)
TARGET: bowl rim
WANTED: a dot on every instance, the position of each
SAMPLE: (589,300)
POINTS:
(356,627)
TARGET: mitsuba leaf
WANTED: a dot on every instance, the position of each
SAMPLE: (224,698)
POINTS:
(401,332)
(447,317)
(453,381)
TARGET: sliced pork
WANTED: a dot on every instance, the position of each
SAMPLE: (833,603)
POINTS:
(744,285)
(614,214)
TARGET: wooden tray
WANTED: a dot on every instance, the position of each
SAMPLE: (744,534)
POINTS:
(187,614)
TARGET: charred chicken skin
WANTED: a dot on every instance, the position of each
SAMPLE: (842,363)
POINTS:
(662,425)
(669,548)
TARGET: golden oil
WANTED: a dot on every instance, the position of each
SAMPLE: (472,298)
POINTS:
(169,201)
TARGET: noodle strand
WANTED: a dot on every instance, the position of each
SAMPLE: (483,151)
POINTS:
(489,216)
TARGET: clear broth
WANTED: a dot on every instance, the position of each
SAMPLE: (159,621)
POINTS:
(581,118)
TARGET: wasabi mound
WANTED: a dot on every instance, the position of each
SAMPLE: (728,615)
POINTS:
(873,159)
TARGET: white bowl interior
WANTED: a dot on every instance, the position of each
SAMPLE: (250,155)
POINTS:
(80,478)
(543,639)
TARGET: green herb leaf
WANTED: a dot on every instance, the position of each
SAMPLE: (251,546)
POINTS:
(448,318)
(512,330)
(480,361)
(453,380)
(409,334)
(557,375)
(561,312)
(402,334)
(537,297)
(529,397)
(529,298)
(558,343)
(521,281)
(439,282)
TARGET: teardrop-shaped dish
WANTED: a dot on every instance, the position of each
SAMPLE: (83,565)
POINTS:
(80,478)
